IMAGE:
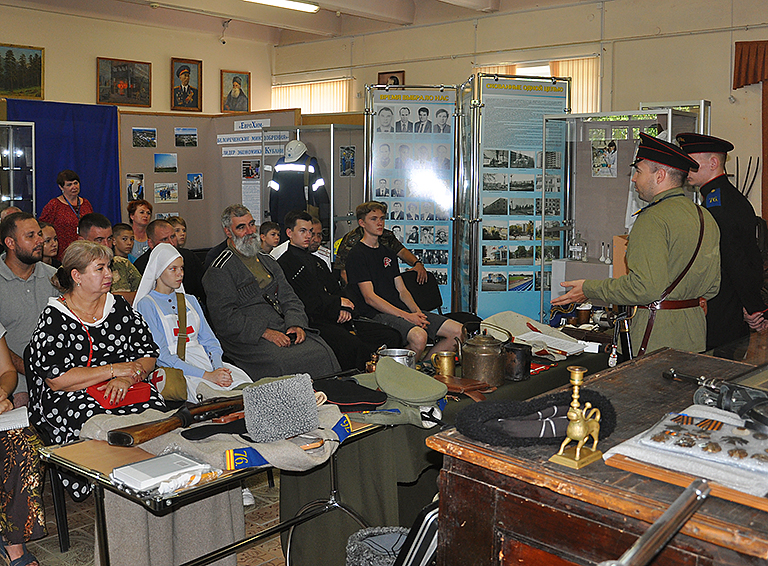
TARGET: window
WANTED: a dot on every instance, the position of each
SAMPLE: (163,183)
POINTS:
(313,98)
(585,82)
(584,73)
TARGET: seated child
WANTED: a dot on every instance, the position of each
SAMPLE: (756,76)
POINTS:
(269,232)
(180,227)
(125,277)
(123,236)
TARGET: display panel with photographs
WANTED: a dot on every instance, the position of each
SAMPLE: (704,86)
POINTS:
(413,151)
(521,190)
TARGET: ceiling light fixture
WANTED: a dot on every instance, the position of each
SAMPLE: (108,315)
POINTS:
(299,5)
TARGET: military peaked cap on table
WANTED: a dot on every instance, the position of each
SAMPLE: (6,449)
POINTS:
(664,153)
(699,143)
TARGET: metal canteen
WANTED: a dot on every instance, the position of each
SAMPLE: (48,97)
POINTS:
(481,357)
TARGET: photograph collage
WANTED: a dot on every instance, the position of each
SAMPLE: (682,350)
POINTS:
(412,161)
(164,192)
(511,239)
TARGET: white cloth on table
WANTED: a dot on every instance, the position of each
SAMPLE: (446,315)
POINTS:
(734,477)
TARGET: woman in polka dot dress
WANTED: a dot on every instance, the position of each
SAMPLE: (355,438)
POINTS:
(86,337)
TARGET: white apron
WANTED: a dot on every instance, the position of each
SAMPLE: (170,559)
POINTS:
(195,354)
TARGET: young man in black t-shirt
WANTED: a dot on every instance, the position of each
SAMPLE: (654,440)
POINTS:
(378,291)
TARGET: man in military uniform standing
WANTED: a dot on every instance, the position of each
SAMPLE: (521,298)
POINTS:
(672,236)
(184,95)
(741,266)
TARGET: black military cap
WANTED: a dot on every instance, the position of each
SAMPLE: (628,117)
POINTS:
(699,143)
(665,153)
(182,69)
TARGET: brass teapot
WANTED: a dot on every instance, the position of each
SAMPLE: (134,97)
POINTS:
(481,357)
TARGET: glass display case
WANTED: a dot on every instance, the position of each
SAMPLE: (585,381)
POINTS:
(600,201)
(340,153)
(17,165)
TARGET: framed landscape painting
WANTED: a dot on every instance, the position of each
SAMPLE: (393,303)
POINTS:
(22,71)
(126,83)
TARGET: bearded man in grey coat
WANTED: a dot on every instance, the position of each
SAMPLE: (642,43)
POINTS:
(254,311)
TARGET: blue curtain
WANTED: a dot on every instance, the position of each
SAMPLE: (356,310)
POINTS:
(81,137)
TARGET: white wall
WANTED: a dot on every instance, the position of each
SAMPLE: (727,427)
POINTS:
(73,43)
(651,51)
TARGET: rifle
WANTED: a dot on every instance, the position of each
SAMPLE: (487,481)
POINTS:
(188,415)
(184,417)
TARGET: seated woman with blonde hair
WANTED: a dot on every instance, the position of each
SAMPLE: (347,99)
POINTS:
(159,300)
(88,352)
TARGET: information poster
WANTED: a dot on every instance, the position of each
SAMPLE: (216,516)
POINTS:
(521,195)
(413,173)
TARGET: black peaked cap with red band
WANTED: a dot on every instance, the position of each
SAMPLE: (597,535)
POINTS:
(664,153)
(699,143)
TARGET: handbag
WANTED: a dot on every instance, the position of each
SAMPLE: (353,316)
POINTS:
(137,393)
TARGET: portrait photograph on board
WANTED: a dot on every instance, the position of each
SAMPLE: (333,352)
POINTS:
(392,78)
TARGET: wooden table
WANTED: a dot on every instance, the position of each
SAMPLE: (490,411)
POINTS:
(512,506)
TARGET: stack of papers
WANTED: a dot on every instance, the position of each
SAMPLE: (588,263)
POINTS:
(556,345)
(147,474)
(16,418)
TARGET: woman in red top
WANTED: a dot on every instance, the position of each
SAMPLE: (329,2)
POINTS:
(64,211)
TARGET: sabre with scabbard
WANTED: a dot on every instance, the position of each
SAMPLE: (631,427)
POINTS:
(186,416)
(709,382)
(749,403)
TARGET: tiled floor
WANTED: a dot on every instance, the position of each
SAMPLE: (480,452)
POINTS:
(263,514)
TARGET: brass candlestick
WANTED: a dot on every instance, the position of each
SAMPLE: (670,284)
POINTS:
(584,423)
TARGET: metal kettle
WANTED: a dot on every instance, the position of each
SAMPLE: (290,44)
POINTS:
(481,357)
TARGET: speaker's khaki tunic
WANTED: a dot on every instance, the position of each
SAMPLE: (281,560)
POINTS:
(660,245)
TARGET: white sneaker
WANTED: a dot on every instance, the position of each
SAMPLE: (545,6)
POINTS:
(248,498)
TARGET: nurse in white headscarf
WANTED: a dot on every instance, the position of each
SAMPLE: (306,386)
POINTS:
(157,301)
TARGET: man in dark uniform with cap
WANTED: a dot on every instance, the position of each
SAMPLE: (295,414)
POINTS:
(184,95)
(671,236)
(740,261)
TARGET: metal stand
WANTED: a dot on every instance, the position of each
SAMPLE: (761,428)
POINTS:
(101,523)
(320,506)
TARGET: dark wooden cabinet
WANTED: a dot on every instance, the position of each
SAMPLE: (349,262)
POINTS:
(513,507)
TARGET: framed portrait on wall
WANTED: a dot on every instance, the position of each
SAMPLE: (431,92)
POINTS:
(23,71)
(395,78)
(126,83)
(187,85)
(235,89)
